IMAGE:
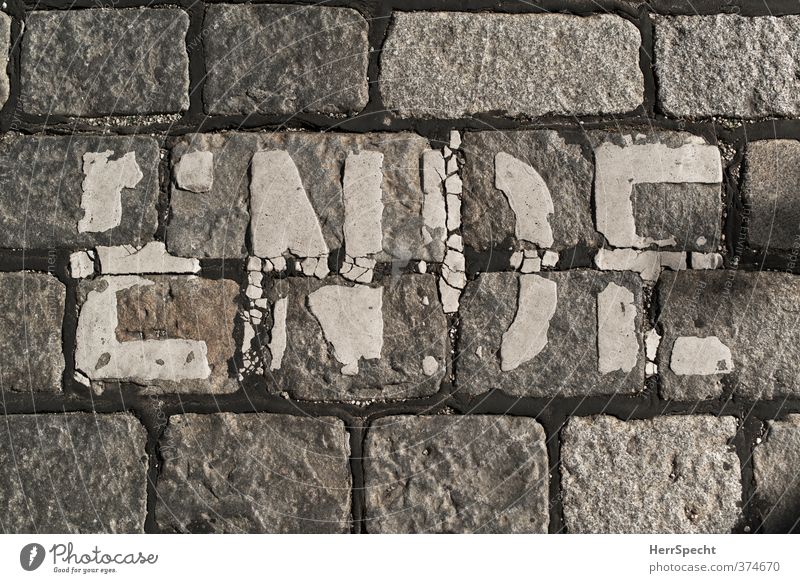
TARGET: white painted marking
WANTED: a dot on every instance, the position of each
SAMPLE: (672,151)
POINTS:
(527,334)
(277,344)
(617,345)
(692,355)
(529,197)
(103,181)
(152,258)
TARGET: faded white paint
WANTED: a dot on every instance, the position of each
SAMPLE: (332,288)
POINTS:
(81,264)
(434,210)
(528,196)
(455,139)
(652,339)
(152,258)
(619,168)
(429,366)
(363,204)
(103,181)
(692,355)
(648,264)
(550,258)
(277,343)
(527,334)
(352,321)
(706,260)
(281,216)
(617,345)
(195,171)
(100,356)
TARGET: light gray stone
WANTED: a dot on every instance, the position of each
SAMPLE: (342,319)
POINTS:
(565,168)
(569,363)
(663,475)
(728,65)
(214,223)
(284,59)
(338,348)
(456,474)
(754,315)
(73,473)
(68,69)
(454,64)
(775,464)
(31,318)
(771,191)
(44,181)
(254,473)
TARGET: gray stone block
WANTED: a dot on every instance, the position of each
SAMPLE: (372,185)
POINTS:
(665,475)
(728,65)
(749,321)
(565,360)
(98,62)
(44,202)
(385,341)
(284,59)
(456,474)
(254,473)
(73,473)
(775,464)
(455,64)
(771,191)
(31,318)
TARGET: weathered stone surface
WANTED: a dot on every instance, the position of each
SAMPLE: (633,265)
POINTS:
(284,59)
(658,189)
(771,190)
(456,474)
(563,164)
(166,333)
(452,64)
(334,331)
(214,223)
(753,314)
(73,473)
(31,317)
(254,473)
(728,65)
(43,187)
(68,69)
(568,364)
(663,475)
(776,462)
(5,47)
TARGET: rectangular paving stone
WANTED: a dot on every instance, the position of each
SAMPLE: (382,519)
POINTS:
(539,335)
(728,331)
(165,333)
(456,474)
(31,318)
(775,464)
(664,475)
(68,69)
(74,473)
(254,473)
(284,59)
(385,341)
(543,168)
(455,64)
(214,221)
(771,191)
(728,65)
(77,191)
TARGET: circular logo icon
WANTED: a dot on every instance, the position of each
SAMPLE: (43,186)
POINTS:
(31,556)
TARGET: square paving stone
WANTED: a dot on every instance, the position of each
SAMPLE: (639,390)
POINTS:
(775,463)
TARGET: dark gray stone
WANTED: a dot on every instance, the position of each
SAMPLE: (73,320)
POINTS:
(753,314)
(73,473)
(414,329)
(41,180)
(68,68)
(31,317)
(771,191)
(284,59)
(563,163)
(456,474)
(663,475)
(454,64)
(214,223)
(254,473)
(728,65)
(777,486)
(568,365)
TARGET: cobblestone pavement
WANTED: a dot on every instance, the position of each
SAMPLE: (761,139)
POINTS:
(361,268)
